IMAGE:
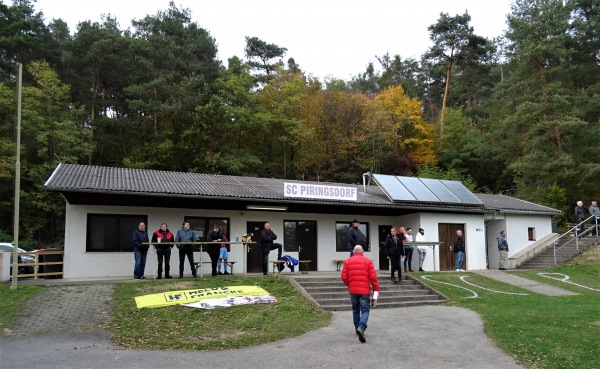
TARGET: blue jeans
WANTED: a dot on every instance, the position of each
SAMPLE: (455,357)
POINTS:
(408,258)
(459,259)
(361,306)
(140,263)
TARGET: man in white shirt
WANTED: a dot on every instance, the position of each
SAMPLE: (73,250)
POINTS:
(422,249)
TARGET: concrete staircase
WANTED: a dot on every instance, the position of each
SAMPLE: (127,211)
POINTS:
(566,250)
(330,293)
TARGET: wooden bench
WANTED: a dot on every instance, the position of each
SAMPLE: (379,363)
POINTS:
(303,265)
(197,264)
(276,263)
(338,264)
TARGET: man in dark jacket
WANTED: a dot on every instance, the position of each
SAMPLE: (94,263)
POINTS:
(394,250)
(266,241)
(140,251)
(163,252)
(185,234)
(355,236)
(459,250)
(216,235)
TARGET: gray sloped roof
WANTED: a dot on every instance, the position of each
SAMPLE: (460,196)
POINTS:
(507,204)
(97,179)
(91,179)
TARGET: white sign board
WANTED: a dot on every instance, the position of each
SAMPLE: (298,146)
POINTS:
(311,191)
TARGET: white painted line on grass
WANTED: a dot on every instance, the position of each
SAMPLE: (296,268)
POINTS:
(487,289)
(475,295)
(566,280)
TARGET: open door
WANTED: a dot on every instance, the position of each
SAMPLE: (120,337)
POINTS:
(446,233)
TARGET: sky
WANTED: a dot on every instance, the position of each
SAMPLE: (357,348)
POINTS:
(326,38)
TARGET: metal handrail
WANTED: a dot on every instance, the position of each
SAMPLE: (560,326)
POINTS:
(577,235)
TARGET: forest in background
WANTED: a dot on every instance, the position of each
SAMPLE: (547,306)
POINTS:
(518,114)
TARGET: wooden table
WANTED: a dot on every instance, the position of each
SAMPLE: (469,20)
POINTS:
(245,244)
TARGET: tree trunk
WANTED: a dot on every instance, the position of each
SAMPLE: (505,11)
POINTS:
(155,113)
(446,89)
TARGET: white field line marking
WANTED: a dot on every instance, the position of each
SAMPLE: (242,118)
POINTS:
(475,295)
(487,289)
(566,280)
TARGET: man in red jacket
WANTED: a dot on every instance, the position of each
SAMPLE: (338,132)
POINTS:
(359,275)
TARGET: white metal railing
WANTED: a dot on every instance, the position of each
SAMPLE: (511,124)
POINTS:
(578,234)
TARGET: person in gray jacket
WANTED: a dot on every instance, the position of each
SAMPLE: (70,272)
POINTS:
(595,211)
(185,234)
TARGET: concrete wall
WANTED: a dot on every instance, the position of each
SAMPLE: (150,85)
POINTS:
(516,226)
(473,231)
(81,264)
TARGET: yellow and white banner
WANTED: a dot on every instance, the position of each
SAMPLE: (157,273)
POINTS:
(192,296)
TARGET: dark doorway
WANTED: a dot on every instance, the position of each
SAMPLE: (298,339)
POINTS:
(301,236)
(384,231)
(254,257)
(447,232)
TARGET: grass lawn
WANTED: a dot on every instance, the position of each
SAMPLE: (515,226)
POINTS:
(180,327)
(540,331)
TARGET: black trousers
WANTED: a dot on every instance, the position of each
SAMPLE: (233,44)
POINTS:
(396,265)
(183,252)
(164,254)
(214,258)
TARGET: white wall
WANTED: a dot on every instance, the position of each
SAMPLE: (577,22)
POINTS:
(81,264)
(517,236)
(474,238)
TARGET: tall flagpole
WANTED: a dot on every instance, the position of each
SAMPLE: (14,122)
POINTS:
(15,268)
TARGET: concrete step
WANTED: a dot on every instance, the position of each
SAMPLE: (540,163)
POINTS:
(386,305)
(546,259)
(307,283)
(384,294)
(331,293)
(344,288)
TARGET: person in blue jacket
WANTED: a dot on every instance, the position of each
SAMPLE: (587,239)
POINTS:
(140,251)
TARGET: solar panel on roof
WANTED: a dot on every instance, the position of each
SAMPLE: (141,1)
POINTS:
(418,189)
(461,192)
(399,188)
(442,192)
(393,188)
